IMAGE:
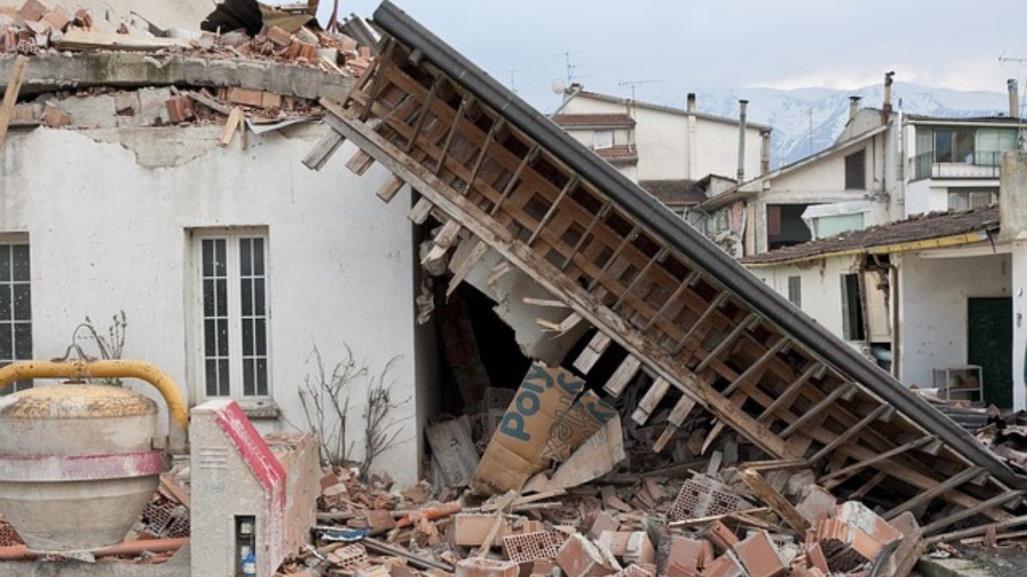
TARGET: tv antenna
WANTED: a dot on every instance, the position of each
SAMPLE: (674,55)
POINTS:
(570,66)
(513,78)
(634,84)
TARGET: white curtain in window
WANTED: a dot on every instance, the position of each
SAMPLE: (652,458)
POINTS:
(992,142)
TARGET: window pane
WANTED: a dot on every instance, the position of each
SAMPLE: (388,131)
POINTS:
(943,146)
(261,338)
(5,302)
(221,299)
(208,297)
(219,262)
(258,287)
(222,337)
(244,257)
(209,338)
(246,290)
(6,342)
(23,341)
(21,262)
(5,263)
(22,302)
(249,382)
(262,377)
(211,371)
(208,257)
(258,256)
(223,377)
(247,337)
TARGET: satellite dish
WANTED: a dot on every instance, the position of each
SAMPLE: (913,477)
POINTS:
(559,86)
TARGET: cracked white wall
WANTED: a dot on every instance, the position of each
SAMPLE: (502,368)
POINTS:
(107,211)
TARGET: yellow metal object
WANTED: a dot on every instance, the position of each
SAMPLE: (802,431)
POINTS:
(114,369)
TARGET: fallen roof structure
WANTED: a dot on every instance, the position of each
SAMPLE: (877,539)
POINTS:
(504,177)
(925,231)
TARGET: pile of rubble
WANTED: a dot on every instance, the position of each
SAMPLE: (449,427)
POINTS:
(727,523)
(41,31)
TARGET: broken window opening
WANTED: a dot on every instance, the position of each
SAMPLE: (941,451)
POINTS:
(795,290)
(785,226)
(853,327)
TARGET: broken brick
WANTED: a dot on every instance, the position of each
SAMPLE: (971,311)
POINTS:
(632,546)
(815,556)
(33,10)
(180,108)
(55,117)
(603,522)
(720,536)
(689,553)
(278,35)
(379,519)
(482,567)
(532,547)
(470,529)
(724,566)
(759,556)
(579,557)
(57,18)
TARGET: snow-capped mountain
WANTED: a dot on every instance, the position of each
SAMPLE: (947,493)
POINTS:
(791,112)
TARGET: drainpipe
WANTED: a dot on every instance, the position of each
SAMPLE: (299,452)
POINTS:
(742,104)
(887,107)
(764,152)
(1014,98)
(853,106)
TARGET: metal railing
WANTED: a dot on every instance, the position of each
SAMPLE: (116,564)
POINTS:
(977,164)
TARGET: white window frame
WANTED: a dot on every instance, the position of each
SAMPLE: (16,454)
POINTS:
(607,141)
(197,357)
(11,239)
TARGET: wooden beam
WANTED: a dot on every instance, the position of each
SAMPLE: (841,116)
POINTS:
(692,277)
(620,377)
(996,501)
(571,183)
(360,162)
(425,109)
(715,304)
(833,479)
(728,341)
(591,353)
(389,189)
(11,96)
(816,409)
(774,500)
(420,211)
(929,495)
(468,258)
(650,400)
(323,150)
(758,365)
(788,395)
(850,432)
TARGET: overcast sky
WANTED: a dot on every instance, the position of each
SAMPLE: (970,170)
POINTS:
(696,46)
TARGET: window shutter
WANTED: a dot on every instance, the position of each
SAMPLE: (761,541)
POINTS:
(773,220)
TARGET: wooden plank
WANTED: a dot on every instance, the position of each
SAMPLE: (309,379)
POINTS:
(453,449)
(816,409)
(728,341)
(11,96)
(650,400)
(831,480)
(323,150)
(995,501)
(758,365)
(360,162)
(850,432)
(464,260)
(681,410)
(389,189)
(774,500)
(672,299)
(574,180)
(591,353)
(232,123)
(788,395)
(622,376)
(929,495)
(715,304)
(420,211)
(657,257)
(442,241)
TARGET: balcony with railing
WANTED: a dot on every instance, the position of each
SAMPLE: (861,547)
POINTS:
(975,164)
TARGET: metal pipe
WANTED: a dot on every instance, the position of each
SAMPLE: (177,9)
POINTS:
(764,152)
(1014,98)
(112,369)
(21,552)
(742,104)
(853,106)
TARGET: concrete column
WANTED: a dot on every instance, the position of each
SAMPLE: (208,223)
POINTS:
(1018,277)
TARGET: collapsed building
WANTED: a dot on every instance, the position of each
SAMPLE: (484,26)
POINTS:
(649,353)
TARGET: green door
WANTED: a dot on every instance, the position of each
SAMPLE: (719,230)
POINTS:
(990,345)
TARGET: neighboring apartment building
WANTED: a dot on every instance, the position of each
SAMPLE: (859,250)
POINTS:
(678,154)
(888,238)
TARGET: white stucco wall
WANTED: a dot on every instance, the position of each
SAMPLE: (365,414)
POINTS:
(664,151)
(821,287)
(933,296)
(107,223)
